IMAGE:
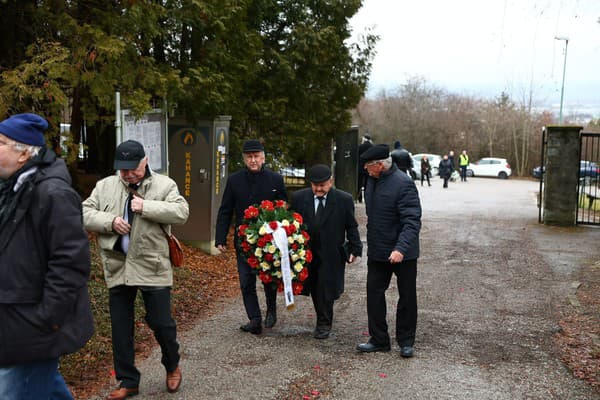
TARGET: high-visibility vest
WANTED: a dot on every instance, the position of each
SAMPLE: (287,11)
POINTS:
(463,159)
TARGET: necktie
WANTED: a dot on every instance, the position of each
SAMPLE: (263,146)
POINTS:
(128,215)
(320,209)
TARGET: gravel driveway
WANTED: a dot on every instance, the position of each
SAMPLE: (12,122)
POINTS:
(489,277)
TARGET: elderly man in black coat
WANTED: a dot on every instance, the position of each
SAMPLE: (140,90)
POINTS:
(329,216)
(394,222)
(45,309)
(244,188)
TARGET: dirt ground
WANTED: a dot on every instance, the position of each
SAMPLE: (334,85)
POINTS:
(497,296)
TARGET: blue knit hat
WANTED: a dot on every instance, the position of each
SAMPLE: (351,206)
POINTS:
(25,128)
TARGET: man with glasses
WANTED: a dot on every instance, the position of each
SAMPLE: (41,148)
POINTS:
(44,267)
(394,221)
(129,211)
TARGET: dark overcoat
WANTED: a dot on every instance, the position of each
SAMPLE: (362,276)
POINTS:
(44,268)
(338,225)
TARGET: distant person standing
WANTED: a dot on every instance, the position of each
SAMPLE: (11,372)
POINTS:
(244,188)
(463,162)
(446,169)
(394,222)
(402,159)
(425,170)
(366,144)
(451,159)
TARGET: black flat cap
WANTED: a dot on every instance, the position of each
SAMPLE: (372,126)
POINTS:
(252,145)
(129,154)
(377,152)
(319,173)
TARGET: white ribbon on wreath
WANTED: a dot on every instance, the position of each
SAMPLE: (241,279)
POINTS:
(281,241)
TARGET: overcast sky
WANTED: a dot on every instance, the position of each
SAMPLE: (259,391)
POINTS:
(482,47)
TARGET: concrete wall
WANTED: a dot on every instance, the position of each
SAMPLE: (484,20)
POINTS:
(562,169)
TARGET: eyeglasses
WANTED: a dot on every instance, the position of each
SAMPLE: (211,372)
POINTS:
(371,163)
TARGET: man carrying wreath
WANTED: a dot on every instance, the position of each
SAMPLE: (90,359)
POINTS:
(329,215)
(244,188)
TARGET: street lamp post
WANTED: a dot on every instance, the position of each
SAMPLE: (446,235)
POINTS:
(562,89)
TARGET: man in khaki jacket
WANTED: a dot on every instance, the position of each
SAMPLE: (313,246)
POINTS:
(127,211)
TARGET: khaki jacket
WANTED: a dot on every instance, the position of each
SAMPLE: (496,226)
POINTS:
(147,262)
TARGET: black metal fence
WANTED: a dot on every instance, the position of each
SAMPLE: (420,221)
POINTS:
(541,176)
(588,189)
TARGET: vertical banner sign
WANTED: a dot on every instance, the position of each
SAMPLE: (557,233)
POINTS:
(220,159)
(188,139)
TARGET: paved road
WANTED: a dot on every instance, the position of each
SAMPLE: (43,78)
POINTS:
(489,277)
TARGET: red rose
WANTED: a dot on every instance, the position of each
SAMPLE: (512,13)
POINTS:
(280,286)
(267,205)
(297,288)
(265,277)
(269,257)
(306,235)
(308,257)
(295,246)
(251,212)
(253,261)
(274,225)
(242,229)
(262,241)
(280,204)
(298,217)
(268,237)
(303,274)
(245,246)
(289,230)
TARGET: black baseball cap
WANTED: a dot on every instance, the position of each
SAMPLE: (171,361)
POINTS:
(129,154)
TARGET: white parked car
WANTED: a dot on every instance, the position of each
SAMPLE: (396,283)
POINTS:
(434,161)
(490,166)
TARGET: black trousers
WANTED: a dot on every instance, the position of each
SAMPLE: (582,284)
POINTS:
(157,302)
(425,176)
(379,275)
(322,301)
(446,178)
(463,172)
(248,287)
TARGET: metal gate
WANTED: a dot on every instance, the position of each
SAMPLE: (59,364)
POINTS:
(542,175)
(588,189)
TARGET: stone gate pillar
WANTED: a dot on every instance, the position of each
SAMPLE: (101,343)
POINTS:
(561,174)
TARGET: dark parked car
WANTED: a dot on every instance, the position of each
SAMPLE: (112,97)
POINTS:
(587,169)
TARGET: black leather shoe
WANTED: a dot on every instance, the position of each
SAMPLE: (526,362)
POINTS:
(252,327)
(372,347)
(407,351)
(321,333)
(270,319)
